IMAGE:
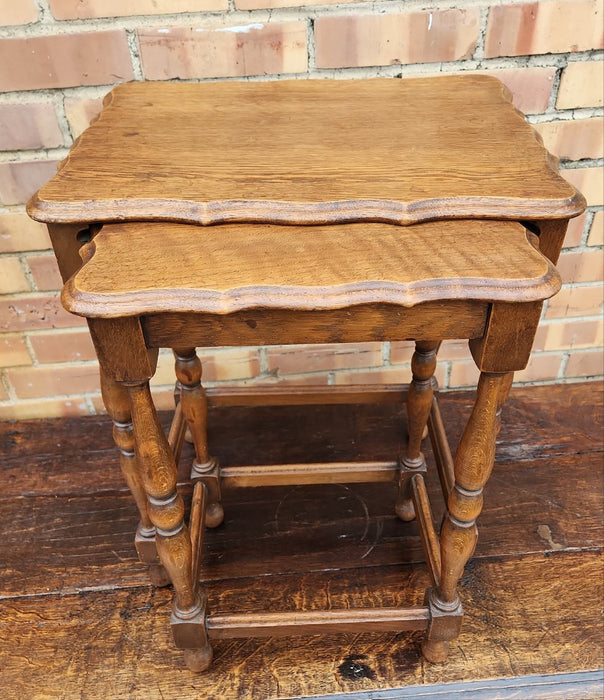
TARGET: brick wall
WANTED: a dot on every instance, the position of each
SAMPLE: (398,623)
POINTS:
(59,57)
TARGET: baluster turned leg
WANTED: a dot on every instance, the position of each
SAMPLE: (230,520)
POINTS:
(117,403)
(419,404)
(195,410)
(166,511)
(473,464)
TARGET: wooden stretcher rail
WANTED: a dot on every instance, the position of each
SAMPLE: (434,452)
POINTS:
(425,522)
(306,395)
(319,473)
(196,527)
(441,449)
(285,624)
(178,428)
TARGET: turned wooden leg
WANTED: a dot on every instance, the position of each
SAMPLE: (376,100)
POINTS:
(117,403)
(419,404)
(473,465)
(166,511)
(194,404)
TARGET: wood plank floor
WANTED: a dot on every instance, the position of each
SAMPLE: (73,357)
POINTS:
(79,620)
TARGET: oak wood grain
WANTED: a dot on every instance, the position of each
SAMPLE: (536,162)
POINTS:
(53,641)
(222,269)
(72,519)
(308,151)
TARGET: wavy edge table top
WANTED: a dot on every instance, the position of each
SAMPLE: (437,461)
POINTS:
(308,152)
(228,268)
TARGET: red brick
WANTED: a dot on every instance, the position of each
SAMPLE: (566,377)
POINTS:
(589,181)
(18,181)
(581,85)
(52,408)
(231,364)
(384,375)
(89,9)
(581,266)
(588,363)
(80,111)
(541,367)
(540,338)
(574,139)
(576,301)
(45,272)
(596,232)
(13,351)
(544,27)
(463,373)
(66,346)
(574,232)
(314,379)
(322,358)
(17,12)
(35,312)
(12,277)
(569,334)
(32,125)
(270,4)
(412,37)
(18,233)
(64,60)
(199,52)
(454,350)
(401,352)
(531,88)
(44,381)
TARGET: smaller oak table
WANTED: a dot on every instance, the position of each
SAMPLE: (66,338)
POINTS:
(145,286)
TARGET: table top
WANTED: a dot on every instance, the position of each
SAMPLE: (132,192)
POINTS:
(221,269)
(308,151)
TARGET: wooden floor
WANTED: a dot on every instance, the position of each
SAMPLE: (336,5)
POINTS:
(79,620)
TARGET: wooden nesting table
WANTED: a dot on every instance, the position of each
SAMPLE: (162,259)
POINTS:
(296,212)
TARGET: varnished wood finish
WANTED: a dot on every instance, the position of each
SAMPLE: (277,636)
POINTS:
(166,511)
(166,508)
(305,395)
(117,403)
(227,626)
(234,268)
(430,541)
(72,591)
(308,473)
(194,404)
(400,157)
(455,319)
(419,405)
(473,464)
(496,267)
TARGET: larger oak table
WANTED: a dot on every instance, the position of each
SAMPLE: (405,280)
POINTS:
(299,182)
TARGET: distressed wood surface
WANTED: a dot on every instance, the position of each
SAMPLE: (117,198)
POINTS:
(336,150)
(78,619)
(222,269)
(115,643)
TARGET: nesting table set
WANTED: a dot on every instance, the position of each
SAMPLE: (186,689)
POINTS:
(288,212)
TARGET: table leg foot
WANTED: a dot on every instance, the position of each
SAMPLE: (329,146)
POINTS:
(435,651)
(159,576)
(405,510)
(214,515)
(197,660)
